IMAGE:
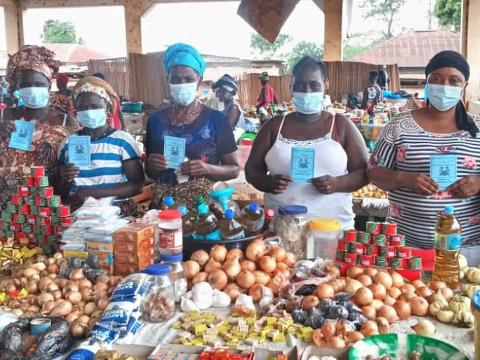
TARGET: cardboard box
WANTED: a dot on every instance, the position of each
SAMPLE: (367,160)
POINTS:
(99,247)
(79,253)
(134,233)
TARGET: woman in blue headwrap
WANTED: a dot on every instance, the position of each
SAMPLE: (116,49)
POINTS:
(188,129)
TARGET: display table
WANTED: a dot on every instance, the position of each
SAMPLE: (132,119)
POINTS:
(370,207)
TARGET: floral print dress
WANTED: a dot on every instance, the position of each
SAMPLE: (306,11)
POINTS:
(405,146)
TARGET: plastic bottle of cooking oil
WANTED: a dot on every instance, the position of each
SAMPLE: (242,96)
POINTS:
(448,241)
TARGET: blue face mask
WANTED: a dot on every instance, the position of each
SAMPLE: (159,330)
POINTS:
(308,103)
(443,97)
(34,97)
(184,94)
(93,118)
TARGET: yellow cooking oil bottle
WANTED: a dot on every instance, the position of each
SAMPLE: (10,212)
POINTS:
(448,241)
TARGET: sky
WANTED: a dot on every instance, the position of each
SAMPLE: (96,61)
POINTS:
(213,27)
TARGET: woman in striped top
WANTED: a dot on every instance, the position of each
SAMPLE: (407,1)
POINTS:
(402,160)
(115,168)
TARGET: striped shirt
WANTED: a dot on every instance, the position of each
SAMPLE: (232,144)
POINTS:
(405,146)
(107,155)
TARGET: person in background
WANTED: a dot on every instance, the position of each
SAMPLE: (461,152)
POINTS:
(115,119)
(62,99)
(115,169)
(267,93)
(226,88)
(210,149)
(403,156)
(372,93)
(383,78)
(30,72)
(340,158)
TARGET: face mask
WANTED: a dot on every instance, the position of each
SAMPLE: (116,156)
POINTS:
(308,103)
(34,97)
(443,97)
(93,118)
(184,94)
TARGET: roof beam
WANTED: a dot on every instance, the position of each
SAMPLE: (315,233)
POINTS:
(33,4)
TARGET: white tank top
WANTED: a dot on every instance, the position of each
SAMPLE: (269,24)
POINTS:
(330,159)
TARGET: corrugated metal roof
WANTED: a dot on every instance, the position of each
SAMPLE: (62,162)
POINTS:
(73,53)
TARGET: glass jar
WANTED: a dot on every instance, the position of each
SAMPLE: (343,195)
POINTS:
(158,302)
(322,238)
(291,225)
(169,233)
(177,274)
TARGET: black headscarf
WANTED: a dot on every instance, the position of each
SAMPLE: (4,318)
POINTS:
(453,59)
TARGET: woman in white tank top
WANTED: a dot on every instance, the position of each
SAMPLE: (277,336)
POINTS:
(340,152)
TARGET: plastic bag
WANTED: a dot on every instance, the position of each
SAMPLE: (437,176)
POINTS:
(108,228)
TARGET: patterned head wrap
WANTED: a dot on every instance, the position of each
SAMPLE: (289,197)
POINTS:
(95,85)
(185,55)
(32,57)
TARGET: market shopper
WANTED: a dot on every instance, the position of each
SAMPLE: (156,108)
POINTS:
(115,168)
(372,93)
(415,142)
(204,134)
(62,99)
(30,71)
(226,88)
(267,93)
(115,118)
(340,157)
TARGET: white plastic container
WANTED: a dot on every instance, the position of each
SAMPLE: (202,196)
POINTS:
(322,238)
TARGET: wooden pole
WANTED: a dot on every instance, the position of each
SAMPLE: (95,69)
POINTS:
(333,30)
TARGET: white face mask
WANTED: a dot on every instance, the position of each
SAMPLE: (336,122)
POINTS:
(443,97)
(308,103)
(35,97)
(93,118)
(184,94)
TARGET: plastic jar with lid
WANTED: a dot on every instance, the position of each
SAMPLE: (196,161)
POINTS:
(322,238)
(169,235)
(177,274)
(291,225)
(158,302)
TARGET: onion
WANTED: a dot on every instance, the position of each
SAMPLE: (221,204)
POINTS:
(338,285)
(44,298)
(218,253)
(354,272)
(377,304)
(354,336)
(34,309)
(232,268)
(51,287)
(424,292)
(84,283)
(388,312)
(371,272)
(369,312)
(419,306)
(89,308)
(63,308)
(74,297)
(87,294)
(268,264)
(256,292)
(379,291)
(261,277)
(365,280)
(389,300)
(201,276)
(394,292)
(352,286)
(53,269)
(30,271)
(278,253)
(47,307)
(436,285)
(212,265)
(72,316)
(328,329)
(418,283)
(76,274)
(218,279)
(200,256)
(290,259)
(309,302)
(335,342)
(255,251)
(235,254)
(232,290)
(408,296)
(77,330)
(403,309)
(281,266)
(383,325)
(102,303)
(248,265)
(332,270)
(446,292)
(32,287)
(102,279)
(99,287)
(246,279)
(397,279)
(407,288)
(57,294)
(363,296)
(191,268)
(383,278)
(325,291)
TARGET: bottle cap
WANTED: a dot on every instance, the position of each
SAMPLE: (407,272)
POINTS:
(269,213)
(182,209)
(203,209)
(199,200)
(476,300)
(169,215)
(253,206)
(157,269)
(292,210)
(168,201)
(449,210)
(229,214)
(172,258)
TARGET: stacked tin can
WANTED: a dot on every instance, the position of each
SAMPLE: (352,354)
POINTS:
(380,246)
(34,216)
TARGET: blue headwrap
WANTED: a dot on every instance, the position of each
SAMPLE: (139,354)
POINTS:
(183,54)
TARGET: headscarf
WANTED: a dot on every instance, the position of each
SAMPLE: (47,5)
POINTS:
(95,85)
(183,54)
(264,76)
(62,79)
(32,57)
(453,59)
(99,75)
(228,83)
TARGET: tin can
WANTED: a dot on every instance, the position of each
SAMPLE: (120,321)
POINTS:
(31,200)
(55,220)
(37,171)
(389,228)
(380,240)
(351,259)
(16,227)
(397,240)
(340,255)
(366,260)
(19,235)
(41,181)
(54,201)
(363,237)
(19,218)
(31,219)
(27,228)
(32,190)
(11,207)
(382,251)
(44,221)
(5,225)
(48,230)
(46,192)
(34,210)
(6,216)
(373,227)
(28,181)
(62,211)
(414,263)
(391,251)
(39,201)
(16,199)
(44,212)
(23,190)
(24,209)
(381,261)
(404,252)
(397,263)
(342,245)
(355,248)
(372,249)
(350,236)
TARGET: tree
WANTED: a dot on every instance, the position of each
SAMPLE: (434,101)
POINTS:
(449,13)
(266,49)
(301,49)
(59,32)
(384,11)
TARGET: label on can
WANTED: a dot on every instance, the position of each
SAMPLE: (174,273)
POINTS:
(55,220)
(28,181)
(380,240)
(389,228)
(404,252)
(381,261)
(373,227)
(11,207)
(366,260)
(169,239)
(342,245)
(414,263)
(340,255)
(355,248)
(46,192)
(37,171)
(397,263)
(397,240)
(54,201)
(351,258)
(350,236)
(382,251)
(372,249)
(363,237)
(391,251)
(41,181)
